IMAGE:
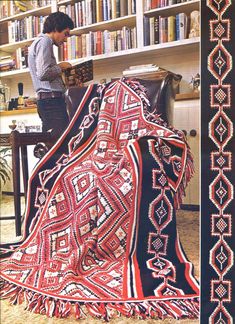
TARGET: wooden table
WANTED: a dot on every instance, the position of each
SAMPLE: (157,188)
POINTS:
(18,143)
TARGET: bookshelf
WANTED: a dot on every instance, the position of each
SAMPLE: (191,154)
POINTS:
(132,20)
(179,56)
(179,97)
(107,24)
(186,7)
(44,11)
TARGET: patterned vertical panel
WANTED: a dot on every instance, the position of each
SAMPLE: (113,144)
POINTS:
(217,161)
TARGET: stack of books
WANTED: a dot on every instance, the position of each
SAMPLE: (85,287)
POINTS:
(136,70)
(146,72)
(7,63)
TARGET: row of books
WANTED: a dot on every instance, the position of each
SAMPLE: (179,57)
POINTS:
(10,8)
(88,12)
(152,4)
(26,28)
(159,29)
(18,60)
(99,42)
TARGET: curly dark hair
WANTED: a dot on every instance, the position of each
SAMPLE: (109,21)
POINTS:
(57,21)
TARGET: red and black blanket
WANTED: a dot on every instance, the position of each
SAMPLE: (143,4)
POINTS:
(100,231)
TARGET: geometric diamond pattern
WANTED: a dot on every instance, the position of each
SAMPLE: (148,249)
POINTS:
(93,239)
(219,62)
(159,179)
(221,225)
(220,129)
(220,95)
(221,256)
(160,212)
(220,30)
(157,243)
(218,7)
(41,196)
(221,191)
(221,161)
(221,290)
(221,316)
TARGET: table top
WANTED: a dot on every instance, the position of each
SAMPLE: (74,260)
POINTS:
(19,139)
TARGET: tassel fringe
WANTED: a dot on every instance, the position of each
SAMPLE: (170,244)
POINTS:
(188,173)
(40,304)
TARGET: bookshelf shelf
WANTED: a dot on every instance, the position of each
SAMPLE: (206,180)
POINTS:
(35,12)
(191,44)
(18,112)
(186,7)
(63,2)
(185,44)
(179,97)
(112,24)
(11,47)
(187,96)
(13,73)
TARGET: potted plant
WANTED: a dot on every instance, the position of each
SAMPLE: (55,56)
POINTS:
(5,169)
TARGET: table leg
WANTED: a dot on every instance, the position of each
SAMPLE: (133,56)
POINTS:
(24,156)
(16,183)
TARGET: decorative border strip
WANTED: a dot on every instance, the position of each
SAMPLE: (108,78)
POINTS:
(217,183)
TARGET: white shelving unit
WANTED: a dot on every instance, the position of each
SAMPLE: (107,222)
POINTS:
(188,45)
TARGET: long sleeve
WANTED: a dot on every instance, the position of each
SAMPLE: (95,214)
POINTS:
(46,66)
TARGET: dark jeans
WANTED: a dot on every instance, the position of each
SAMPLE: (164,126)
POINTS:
(53,114)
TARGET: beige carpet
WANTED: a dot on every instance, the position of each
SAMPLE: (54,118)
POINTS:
(188,227)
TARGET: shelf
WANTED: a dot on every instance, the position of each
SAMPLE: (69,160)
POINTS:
(187,96)
(112,24)
(64,2)
(42,11)
(11,47)
(162,49)
(18,112)
(186,7)
(191,44)
(178,97)
(12,73)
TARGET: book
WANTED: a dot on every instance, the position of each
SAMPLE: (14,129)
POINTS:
(181,26)
(146,31)
(151,31)
(140,69)
(123,8)
(171,29)
(156,30)
(78,74)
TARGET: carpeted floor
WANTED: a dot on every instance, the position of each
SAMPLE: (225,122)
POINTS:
(188,227)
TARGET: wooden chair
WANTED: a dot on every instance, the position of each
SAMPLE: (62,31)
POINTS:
(161,90)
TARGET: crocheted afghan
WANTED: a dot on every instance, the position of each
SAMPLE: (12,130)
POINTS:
(100,229)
